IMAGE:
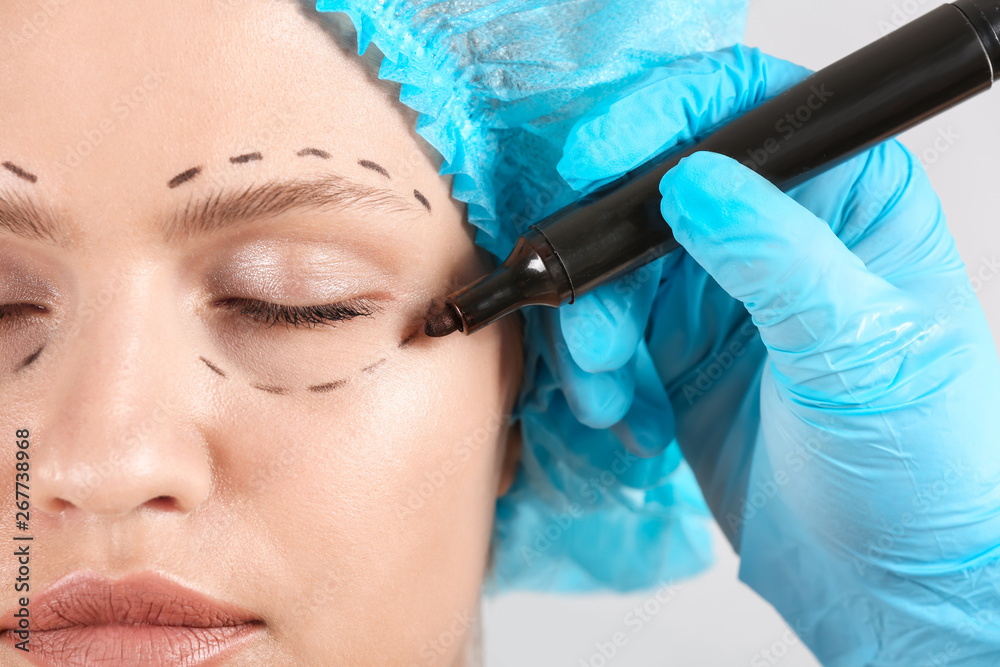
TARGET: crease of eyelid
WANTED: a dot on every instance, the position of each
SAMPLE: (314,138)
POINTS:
(29,219)
(254,202)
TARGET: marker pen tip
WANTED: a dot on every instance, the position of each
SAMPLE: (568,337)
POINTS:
(442,321)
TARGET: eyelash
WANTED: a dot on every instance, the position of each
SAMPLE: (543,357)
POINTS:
(268,314)
(263,312)
(20,310)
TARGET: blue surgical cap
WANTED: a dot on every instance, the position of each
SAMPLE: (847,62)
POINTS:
(498,84)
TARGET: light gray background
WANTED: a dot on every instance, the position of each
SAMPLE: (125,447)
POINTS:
(715,620)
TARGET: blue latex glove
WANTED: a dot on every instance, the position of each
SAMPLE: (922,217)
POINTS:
(833,380)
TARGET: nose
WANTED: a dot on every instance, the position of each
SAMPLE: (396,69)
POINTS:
(119,434)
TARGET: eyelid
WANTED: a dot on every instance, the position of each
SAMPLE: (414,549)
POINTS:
(268,313)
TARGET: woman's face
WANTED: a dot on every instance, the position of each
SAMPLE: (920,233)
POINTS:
(218,240)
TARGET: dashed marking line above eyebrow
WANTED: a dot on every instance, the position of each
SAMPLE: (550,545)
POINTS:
(183,177)
(20,173)
(315,152)
(271,389)
(213,366)
(246,157)
(419,196)
(328,386)
(370,367)
(374,166)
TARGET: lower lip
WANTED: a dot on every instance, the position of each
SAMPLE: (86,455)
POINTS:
(160,645)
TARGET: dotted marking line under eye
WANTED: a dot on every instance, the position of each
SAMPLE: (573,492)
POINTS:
(213,366)
(271,389)
(31,358)
(329,386)
(370,367)
(316,388)
(409,339)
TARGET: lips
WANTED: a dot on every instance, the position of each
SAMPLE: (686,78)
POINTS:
(142,619)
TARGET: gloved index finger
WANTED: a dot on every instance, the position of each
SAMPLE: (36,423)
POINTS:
(671,106)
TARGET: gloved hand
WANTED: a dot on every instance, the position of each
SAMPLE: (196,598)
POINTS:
(833,380)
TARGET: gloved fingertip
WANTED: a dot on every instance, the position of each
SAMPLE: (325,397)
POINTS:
(592,156)
(598,333)
(600,400)
(700,183)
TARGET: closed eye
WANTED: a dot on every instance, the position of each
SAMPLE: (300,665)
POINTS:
(21,310)
(268,314)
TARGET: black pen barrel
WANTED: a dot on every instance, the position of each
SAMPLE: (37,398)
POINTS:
(887,87)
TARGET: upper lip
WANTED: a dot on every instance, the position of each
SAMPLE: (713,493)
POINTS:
(85,597)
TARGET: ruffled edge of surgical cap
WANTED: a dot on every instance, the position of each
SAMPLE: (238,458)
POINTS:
(497,88)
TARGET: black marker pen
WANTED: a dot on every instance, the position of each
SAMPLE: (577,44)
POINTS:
(908,76)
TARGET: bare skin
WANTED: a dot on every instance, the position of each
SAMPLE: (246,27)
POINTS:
(282,468)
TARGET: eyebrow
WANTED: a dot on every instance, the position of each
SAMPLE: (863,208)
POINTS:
(231,208)
(22,216)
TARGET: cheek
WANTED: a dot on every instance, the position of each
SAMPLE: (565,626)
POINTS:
(385,493)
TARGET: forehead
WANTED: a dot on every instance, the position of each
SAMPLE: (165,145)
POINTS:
(123,95)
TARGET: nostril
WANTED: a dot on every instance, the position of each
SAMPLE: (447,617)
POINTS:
(163,503)
(58,505)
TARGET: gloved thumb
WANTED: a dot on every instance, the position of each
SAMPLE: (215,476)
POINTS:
(815,302)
